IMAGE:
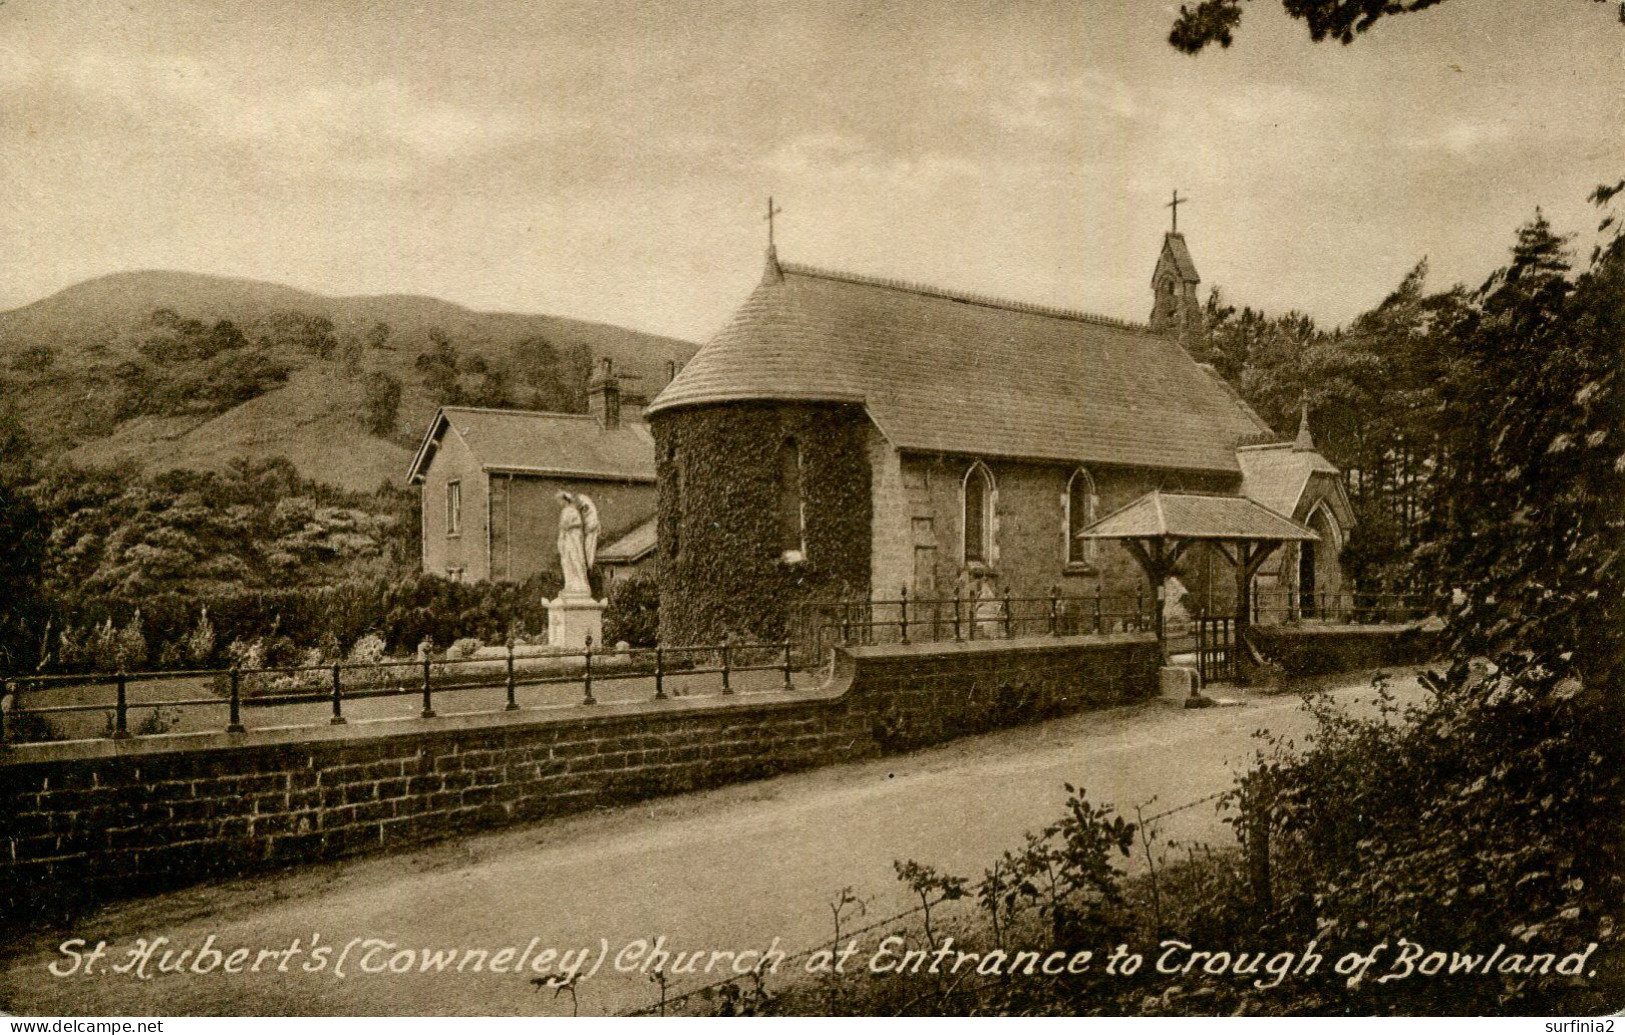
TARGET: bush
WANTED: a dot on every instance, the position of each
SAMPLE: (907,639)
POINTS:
(633,611)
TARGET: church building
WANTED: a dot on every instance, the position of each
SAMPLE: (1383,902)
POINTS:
(849,437)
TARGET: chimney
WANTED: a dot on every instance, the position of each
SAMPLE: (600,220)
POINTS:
(604,396)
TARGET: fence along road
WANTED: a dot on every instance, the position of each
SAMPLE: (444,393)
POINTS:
(728,869)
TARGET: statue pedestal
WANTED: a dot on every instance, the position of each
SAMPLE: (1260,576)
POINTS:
(571,619)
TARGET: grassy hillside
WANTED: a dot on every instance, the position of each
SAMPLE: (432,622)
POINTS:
(90,377)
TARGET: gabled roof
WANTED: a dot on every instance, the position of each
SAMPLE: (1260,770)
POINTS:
(1175,252)
(566,445)
(1178,515)
(945,372)
(631,547)
(1277,475)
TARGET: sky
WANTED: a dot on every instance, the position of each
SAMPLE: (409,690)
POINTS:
(611,160)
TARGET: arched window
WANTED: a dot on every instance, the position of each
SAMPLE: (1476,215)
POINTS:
(1081,510)
(792,509)
(979,493)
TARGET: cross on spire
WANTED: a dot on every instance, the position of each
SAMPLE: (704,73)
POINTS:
(772,210)
(1174,204)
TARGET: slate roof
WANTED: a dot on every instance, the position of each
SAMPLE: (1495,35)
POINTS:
(1174,245)
(631,547)
(945,372)
(1176,515)
(569,445)
(1277,475)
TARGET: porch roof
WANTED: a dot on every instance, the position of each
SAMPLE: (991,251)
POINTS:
(1196,516)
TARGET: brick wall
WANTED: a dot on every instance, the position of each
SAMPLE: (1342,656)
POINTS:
(90,820)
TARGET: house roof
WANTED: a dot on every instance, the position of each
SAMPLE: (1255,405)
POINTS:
(1176,515)
(631,547)
(945,372)
(566,445)
(1277,475)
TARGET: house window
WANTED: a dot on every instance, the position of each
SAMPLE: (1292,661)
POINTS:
(454,508)
(979,492)
(792,508)
(1081,507)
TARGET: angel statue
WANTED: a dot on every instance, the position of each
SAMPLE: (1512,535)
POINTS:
(578,542)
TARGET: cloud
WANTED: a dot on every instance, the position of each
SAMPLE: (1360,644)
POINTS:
(1052,107)
(359,128)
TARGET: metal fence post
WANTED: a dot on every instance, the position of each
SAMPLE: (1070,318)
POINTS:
(1009,629)
(121,715)
(235,723)
(1097,609)
(512,705)
(788,685)
(338,697)
(1139,608)
(660,673)
(903,606)
(587,676)
(726,687)
(958,632)
(428,698)
(3,685)
(1054,613)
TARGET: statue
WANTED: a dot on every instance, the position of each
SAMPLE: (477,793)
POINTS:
(578,542)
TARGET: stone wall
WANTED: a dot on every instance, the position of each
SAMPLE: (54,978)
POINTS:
(1030,524)
(88,820)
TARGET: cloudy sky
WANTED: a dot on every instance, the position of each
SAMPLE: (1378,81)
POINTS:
(611,160)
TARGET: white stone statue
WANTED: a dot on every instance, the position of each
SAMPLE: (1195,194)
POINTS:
(578,542)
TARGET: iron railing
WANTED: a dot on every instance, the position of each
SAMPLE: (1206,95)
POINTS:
(234,690)
(906,620)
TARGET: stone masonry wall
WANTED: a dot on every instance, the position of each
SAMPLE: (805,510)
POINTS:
(89,820)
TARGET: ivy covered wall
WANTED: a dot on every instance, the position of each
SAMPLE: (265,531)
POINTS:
(722,570)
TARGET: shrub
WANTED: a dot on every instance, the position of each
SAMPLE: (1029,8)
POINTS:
(466,647)
(633,611)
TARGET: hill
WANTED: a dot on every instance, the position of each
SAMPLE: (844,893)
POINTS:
(235,368)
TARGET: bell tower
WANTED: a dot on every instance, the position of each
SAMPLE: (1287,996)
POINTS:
(1175,310)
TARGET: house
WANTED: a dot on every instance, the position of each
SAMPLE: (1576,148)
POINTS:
(631,554)
(847,436)
(490,481)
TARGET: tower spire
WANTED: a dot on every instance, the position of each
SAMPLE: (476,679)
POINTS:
(1174,204)
(1305,442)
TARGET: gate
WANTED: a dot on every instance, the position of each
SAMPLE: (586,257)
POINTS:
(1216,649)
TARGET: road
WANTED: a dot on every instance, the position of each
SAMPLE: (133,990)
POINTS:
(730,869)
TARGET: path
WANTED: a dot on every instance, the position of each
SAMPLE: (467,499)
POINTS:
(728,869)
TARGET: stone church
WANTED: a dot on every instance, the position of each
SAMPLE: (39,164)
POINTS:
(850,437)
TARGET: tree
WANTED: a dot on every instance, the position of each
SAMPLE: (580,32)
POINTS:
(381,403)
(23,536)
(1215,21)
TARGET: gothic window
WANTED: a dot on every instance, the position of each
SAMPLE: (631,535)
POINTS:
(1081,507)
(792,508)
(454,508)
(979,492)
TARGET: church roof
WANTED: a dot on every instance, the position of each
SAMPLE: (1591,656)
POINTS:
(631,547)
(1173,246)
(1276,475)
(940,371)
(1176,515)
(564,445)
